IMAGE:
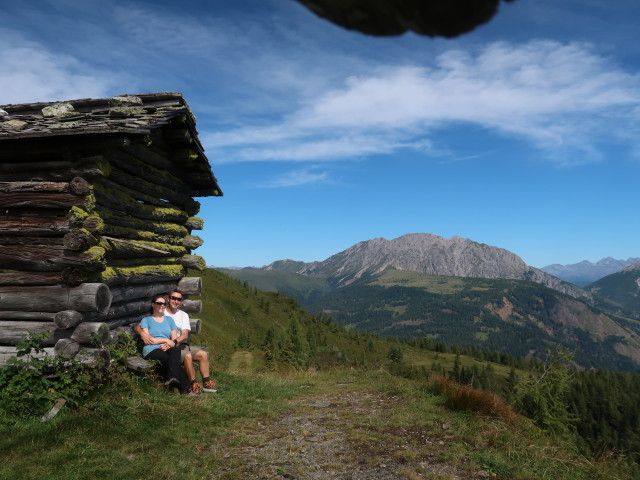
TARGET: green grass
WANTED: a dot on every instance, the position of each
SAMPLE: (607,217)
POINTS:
(430,283)
(136,431)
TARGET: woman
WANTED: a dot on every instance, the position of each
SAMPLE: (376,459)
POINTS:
(162,345)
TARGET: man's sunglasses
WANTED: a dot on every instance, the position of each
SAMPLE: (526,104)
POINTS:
(176,298)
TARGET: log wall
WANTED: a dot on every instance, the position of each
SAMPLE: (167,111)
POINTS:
(93,227)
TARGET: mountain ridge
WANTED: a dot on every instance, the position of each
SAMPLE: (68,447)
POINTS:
(585,272)
(428,254)
(620,291)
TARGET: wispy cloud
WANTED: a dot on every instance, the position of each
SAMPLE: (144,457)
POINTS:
(562,98)
(30,73)
(296,178)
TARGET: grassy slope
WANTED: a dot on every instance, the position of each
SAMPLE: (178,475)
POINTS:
(133,430)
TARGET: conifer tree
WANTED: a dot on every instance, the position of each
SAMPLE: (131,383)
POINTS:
(542,396)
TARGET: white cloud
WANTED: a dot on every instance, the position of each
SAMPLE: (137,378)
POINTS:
(31,73)
(560,97)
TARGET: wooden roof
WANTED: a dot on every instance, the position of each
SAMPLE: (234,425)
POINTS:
(164,118)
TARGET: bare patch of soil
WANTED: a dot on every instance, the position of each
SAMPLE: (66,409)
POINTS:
(335,436)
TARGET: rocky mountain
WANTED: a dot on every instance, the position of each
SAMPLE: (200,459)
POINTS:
(461,292)
(620,291)
(585,272)
(428,254)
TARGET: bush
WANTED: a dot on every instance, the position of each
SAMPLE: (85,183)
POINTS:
(466,398)
(30,383)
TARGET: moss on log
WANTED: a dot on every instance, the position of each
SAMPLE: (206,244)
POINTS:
(79,239)
(193,261)
(123,202)
(195,223)
(140,274)
(112,221)
(118,248)
(192,242)
(77,216)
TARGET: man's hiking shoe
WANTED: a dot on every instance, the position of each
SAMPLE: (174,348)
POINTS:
(210,387)
(196,389)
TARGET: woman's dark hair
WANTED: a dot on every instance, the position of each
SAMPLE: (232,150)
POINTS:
(153,299)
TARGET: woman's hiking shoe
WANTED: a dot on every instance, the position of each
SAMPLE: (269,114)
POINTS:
(210,387)
(172,383)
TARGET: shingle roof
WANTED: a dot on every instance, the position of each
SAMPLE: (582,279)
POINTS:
(138,114)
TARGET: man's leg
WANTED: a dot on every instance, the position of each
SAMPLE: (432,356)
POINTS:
(187,362)
(209,385)
(202,357)
(189,370)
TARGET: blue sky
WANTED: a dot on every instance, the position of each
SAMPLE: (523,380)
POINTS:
(523,134)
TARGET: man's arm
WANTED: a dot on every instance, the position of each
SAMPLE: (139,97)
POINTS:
(184,334)
(144,335)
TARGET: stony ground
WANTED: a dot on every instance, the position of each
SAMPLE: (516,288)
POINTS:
(336,436)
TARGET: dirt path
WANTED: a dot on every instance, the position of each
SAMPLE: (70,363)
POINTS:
(335,436)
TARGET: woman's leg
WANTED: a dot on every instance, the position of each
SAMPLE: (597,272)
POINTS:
(163,358)
(175,370)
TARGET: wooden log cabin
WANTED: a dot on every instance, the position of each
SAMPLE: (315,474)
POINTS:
(98,210)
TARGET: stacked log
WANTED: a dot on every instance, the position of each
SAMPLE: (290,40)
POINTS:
(94,225)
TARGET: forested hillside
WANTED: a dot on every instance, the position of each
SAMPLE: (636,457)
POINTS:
(517,317)
(278,328)
(620,291)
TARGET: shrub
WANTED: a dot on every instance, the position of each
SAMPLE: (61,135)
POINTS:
(466,398)
(30,383)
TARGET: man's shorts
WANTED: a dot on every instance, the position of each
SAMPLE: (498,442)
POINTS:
(193,349)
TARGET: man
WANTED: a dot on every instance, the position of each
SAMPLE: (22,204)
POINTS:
(189,353)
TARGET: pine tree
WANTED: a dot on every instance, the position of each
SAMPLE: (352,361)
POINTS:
(543,395)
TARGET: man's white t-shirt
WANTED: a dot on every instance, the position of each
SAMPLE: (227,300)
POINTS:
(182,320)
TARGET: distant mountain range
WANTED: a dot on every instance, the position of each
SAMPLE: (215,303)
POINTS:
(459,291)
(585,272)
(428,254)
